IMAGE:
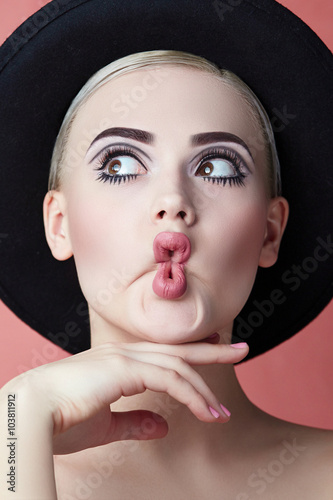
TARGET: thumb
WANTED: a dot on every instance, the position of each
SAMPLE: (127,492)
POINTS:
(136,424)
(106,427)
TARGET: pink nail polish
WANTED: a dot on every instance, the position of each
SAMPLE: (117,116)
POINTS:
(240,345)
(226,411)
(213,412)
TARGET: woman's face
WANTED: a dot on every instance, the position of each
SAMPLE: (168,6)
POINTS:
(219,203)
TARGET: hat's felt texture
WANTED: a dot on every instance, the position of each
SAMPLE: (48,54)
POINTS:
(49,58)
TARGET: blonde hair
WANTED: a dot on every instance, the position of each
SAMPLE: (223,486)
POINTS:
(155,58)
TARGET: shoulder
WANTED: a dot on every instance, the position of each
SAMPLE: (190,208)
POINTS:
(320,457)
(318,442)
(311,452)
(298,460)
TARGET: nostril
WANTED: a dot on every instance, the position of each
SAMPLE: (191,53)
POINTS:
(180,214)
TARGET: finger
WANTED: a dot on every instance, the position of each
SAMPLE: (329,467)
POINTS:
(197,353)
(110,375)
(180,366)
(170,381)
(136,424)
(124,375)
(107,427)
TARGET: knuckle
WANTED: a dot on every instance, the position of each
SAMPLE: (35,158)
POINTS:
(118,360)
(173,375)
(107,351)
(179,363)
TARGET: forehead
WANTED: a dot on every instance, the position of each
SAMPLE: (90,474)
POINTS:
(169,101)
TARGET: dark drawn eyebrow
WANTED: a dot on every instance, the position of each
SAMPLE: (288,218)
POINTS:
(208,137)
(148,137)
(127,133)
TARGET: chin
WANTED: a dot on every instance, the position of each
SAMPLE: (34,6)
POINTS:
(170,321)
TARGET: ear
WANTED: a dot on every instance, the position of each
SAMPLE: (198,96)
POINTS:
(277,216)
(55,224)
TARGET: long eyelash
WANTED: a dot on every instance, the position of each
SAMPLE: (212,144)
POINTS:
(234,158)
(210,154)
(115,179)
(109,155)
(112,153)
(232,181)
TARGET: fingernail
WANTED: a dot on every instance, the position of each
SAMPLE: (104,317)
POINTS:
(240,345)
(226,411)
(214,412)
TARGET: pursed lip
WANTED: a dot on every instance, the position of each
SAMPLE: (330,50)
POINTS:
(172,246)
(171,251)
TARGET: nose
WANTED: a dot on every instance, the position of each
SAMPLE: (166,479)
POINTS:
(172,203)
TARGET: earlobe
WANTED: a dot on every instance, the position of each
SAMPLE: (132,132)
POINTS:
(55,224)
(277,217)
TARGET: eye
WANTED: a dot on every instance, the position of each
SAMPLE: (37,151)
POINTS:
(122,165)
(217,168)
(222,166)
(119,165)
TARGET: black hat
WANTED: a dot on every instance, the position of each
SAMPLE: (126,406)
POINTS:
(46,61)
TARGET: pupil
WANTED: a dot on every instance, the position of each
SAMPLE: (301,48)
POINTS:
(208,169)
(114,167)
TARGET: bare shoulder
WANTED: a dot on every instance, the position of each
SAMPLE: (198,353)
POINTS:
(291,461)
(310,450)
(319,459)
(318,442)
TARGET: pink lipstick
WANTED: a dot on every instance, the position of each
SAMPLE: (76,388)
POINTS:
(171,251)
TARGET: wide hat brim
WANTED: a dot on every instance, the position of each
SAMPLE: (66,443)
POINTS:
(48,59)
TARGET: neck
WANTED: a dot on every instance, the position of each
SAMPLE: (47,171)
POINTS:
(222,380)
(188,438)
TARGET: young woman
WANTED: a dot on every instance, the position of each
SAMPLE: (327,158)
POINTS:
(165,187)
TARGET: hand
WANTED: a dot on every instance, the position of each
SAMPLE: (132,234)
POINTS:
(79,390)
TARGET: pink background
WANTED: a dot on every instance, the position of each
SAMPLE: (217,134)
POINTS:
(293,381)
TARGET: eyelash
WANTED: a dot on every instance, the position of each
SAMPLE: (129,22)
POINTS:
(225,154)
(222,153)
(108,156)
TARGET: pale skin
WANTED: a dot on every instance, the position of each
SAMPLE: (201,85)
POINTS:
(157,351)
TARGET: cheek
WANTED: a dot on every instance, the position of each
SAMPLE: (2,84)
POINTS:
(233,251)
(99,236)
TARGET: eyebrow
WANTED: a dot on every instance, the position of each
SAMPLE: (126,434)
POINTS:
(128,133)
(208,137)
(148,138)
